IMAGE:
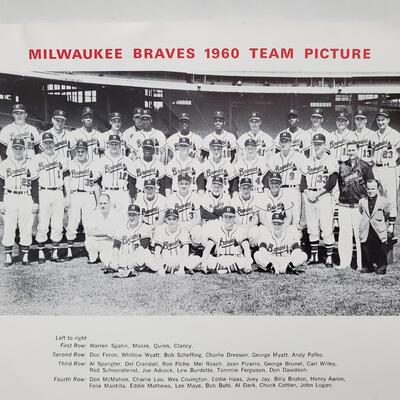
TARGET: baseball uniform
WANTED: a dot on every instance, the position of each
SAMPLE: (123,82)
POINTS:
(103,139)
(337,144)
(187,206)
(301,141)
(196,143)
(365,140)
(135,141)
(128,137)
(172,244)
(82,194)
(255,169)
(151,209)
(92,138)
(211,206)
(62,142)
(228,140)
(116,175)
(264,141)
(223,168)
(27,132)
(143,170)
(51,171)
(279,251)
(191,167)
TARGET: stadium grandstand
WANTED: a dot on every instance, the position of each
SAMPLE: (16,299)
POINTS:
(168,94)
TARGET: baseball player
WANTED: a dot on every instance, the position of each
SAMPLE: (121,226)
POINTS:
(171,252)
(214,200)
(279,250)
(252,166)
(114,173)
(148,133)
(129,135)
(83,193)
(317,185)
(386,144)
(216,165)
(352,180)
(60,134)
(227,139)
(87,133)
(274,200)
(152,204)
(301,140)
(19,129)
(317,119)
(100,226)
(365,137)
(290,164)
(195,141)
(115,120)
(147,167)
(264,142)
(230,244)
(182,163)
(187,204)
(18,202)
(51,169)
(131,246)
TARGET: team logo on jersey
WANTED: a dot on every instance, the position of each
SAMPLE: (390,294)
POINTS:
(286,167)
(228,243)
(60,145)
(215,172)
(50,166)
(80,174)
(132,239)
(316,170)
(15,172)
(109,169)
(150,212)
(275,207)
(337,144)
(382,145)
(172,245)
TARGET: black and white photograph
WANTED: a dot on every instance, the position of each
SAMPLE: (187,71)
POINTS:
(168,193)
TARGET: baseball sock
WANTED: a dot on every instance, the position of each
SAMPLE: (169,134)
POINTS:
(329,252)
(25,251)
(54,253)
(70,245)
(40,247)
(314,250)
(8,253)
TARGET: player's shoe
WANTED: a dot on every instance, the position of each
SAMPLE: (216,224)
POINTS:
(313,260)
(341,267)
(90,262)
(189,271)
(69,254)
(7,261)
(180,271)
(42,258)
(328,263)
(125,273)
(247,271)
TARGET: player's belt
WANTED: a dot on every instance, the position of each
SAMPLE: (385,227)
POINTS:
(290,186)
(113,188)
(17,191)
(313,189)
(349,205)
(381,165)
(50,188)
(79,191)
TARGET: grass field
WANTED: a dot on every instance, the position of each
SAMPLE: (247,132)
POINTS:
(76,288)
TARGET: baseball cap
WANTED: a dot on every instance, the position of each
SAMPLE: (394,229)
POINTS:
(137,111)
(317,112)
(18,107)
(218,179)
(47,137)
(184,141)
(18,142)
(149,182)
(250,142)
(81,144)
(216,142)
(383,112)
(319,138)
(114,115)
(294,112)
(114,138)
(278,217)
(184,177)
(342,115)
(255,116)
(171,212)
(246,181)
(229,210)
(148,143)
(145,114)
(59,114)
(275,176)
(133,209)
(87,111)
(184,116)
(360,114)
(219,114)
(285,136)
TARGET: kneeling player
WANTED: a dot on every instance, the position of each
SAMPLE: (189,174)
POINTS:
(131,246)
(172,247)
(280,250)
(232,249)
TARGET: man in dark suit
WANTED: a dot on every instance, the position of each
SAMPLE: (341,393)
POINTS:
(374,211)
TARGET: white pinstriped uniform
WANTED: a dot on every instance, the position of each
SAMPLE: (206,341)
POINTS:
(150,209)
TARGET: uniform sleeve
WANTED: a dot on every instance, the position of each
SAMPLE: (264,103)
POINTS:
(158,240)
(232,141)
(161,170)
(36,136)
(206,144)
(241,236)
(4,138)
(34,167)
(161,139)
(185,238)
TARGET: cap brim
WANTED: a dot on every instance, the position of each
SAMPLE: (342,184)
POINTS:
(278,221)
(317,115)
(184,119)
(84,115)
(255,119)
(319,141)
(18,145)
(59,116)
(341,119)
(275,180)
